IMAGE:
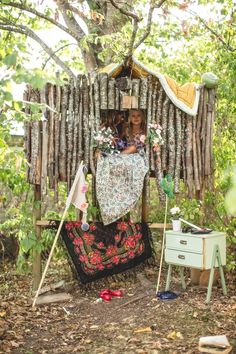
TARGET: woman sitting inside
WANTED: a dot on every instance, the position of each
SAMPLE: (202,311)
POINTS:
(134,133)
(119,177)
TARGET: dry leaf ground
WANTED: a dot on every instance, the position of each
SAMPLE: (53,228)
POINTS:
(145,326)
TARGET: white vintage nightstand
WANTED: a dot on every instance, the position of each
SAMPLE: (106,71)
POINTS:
(205,251)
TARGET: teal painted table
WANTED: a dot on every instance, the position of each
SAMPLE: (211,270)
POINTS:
(196,251)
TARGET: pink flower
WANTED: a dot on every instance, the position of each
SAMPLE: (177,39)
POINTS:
(77,224)
(77,250)
(84,188)
(138,236)
(124,260)
(140,249)
(69,225)
(71,235)
(142,138)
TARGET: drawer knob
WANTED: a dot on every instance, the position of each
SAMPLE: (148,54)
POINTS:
(180,256)
(183,242)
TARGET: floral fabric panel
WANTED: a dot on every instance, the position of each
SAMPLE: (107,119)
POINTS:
(119,183)
(106,250)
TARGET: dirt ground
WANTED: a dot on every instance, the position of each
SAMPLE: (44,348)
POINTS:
(135,323)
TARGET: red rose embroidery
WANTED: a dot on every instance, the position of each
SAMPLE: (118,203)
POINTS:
(95,257)
(117,238)
(100,267)
(83,258)
(111,250)
(101,245)
(131,254)
(122,226)
(78,241)
(89,238)
(130,242)
(124,260)
(115,259)
(92,227)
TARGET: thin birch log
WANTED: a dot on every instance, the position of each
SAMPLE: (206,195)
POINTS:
(210,108)
(51,135)
(103,79)
(35,167)
(117,99)
(80,137)
(70,120)
(76,127)
(184,143)
(27,136)
(198,134)
(97,121)
(57,141)
(195,157)
(213,94)
(178,150)
(91,119)
(145,194)
(86,120)
(165,113)
(159,106)
(143,93)
(63,152)
(154,102)
(171,140)
(111,93)
(203,130)
(135,89)
(44,146)
(189,156)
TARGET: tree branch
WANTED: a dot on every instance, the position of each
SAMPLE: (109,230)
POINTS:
(40,15)
(28,32)
(124,12)
(149,21)
(69,19)
(216,34)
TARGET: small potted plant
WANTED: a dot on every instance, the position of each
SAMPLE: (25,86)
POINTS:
(175,215)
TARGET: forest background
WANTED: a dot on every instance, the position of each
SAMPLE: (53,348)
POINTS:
(182,39)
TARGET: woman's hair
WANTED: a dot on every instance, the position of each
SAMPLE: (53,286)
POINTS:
(143,123)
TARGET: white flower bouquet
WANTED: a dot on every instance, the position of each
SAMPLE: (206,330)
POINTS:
(105,141)
(155,137)
(175,213)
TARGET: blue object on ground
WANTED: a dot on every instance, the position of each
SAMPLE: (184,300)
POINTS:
(167,295)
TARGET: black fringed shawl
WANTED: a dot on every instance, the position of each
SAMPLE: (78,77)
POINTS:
(106,250)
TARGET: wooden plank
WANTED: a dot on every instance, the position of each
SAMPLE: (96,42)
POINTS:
(47,299)
(45,223)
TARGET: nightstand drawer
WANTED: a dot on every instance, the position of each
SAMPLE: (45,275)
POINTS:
(185,259)
(184,243)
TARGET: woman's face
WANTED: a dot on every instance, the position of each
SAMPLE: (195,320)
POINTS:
(136,117)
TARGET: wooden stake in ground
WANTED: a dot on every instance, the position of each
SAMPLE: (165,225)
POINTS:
(68,202)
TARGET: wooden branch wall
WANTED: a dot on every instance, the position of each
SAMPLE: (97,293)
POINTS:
(56,145)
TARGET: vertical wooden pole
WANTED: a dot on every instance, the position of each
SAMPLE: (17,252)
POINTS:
(145,199)
(37,267)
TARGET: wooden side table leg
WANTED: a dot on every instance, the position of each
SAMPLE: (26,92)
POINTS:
(222,277)
(209,288)
(181,271)
(168,279)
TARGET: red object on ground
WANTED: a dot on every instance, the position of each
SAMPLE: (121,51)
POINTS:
(107,294)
